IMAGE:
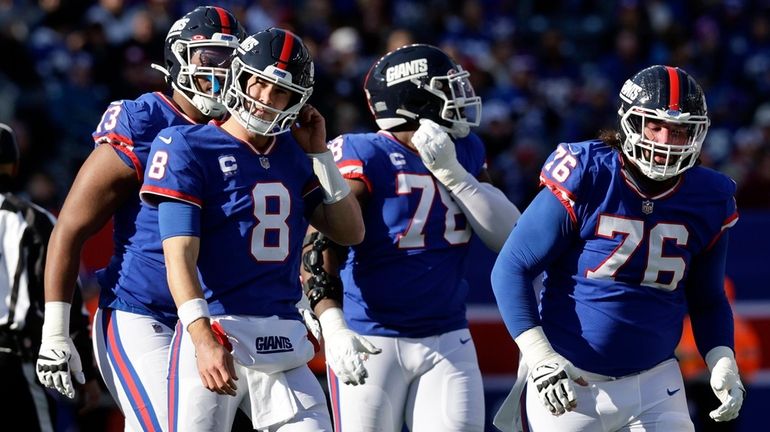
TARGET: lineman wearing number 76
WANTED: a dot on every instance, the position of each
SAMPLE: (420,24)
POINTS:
(631,234)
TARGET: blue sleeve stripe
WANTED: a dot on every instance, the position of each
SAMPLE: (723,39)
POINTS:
(176,218)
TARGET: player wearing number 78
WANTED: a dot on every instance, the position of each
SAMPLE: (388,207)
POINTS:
(631,234)
(424,190)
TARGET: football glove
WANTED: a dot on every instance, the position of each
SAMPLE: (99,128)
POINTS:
(310,319)
(726,383)
(550,373)
(345,349)
(58,360)
(437,152)
(553,378)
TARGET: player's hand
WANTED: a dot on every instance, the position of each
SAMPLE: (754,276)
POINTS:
(57,362)
(553,378)
(346,351)
(438,154)
(310,130)
(215,362)
(727,386)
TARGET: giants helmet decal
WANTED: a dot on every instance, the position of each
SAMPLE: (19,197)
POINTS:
(277,56)
(421,81)
(663,94)
(208,35)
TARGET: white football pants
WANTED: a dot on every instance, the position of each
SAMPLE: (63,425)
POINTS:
(432,384)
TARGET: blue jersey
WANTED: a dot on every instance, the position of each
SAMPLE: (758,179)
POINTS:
(406,277)
(614,300)
(135,278)
(255,208)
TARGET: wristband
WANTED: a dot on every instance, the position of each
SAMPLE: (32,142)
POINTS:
(56,320)
(334,186)
(717,353)
(534,346)
(192,310)
(332,320)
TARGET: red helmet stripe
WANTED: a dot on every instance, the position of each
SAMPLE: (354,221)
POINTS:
(224,20)
(288,44)
(673,89)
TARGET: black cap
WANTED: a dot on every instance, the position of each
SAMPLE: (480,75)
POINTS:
(9,150)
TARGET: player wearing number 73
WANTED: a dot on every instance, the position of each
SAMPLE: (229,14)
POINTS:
(631,234)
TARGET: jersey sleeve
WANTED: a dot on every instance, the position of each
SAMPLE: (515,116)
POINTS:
(731,218)
(172,170)
(119,124)
(563,174)
(349,160)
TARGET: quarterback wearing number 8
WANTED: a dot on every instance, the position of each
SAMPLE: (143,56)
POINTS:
(632,234)
(234,201)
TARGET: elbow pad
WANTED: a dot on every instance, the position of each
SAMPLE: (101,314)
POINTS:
(321,284)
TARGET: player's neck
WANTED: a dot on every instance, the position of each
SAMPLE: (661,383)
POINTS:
(188,108)
(405,138)
(234,128)
(645,184)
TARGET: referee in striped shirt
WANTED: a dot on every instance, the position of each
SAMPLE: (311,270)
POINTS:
(24,232)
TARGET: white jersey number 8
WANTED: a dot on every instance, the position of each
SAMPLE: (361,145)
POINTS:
(270,222)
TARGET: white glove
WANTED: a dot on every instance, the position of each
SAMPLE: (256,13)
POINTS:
(726,383)
(550,373)
(437,152)
(310,319)
(58,359)
(346,350)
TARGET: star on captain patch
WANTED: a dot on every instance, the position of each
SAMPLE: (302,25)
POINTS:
(647,207)
(265,162)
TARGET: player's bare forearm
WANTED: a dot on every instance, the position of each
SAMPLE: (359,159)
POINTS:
(341,221)
(103,183)
(181,255)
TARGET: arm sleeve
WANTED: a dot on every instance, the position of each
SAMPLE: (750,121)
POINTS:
(710,311)
(178,218)
(489,212)
(541,234)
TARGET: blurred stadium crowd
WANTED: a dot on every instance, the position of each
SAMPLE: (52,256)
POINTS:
(547,71)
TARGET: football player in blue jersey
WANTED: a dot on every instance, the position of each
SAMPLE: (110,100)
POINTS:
(423,187)
(632,234)
(235,201)
(134,323)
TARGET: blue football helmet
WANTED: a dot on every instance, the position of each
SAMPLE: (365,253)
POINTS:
(663,94)
(421,81)
(277,56)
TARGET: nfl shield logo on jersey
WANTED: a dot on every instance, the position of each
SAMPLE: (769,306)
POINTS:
(265,162)
(647,207)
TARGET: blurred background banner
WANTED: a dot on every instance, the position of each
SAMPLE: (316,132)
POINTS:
(548,72)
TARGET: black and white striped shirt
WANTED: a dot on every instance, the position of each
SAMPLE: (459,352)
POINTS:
(25,229)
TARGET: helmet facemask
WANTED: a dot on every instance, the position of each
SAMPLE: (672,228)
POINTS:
(461,108)
(675,158)
(213,66)
(271,121)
